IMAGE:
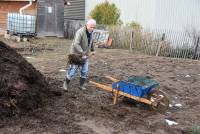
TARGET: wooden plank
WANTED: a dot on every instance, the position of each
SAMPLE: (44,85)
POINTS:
(131,42)
(105,87)
(159,48)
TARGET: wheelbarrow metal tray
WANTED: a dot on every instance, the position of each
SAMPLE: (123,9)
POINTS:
(136,86)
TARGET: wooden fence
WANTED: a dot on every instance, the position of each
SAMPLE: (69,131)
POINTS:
(156,42)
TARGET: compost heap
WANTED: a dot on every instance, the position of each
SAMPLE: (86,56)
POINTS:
(22,87)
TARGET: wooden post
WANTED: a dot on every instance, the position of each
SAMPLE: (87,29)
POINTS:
(116,95)
(196,48)
(160,45)
(131,43)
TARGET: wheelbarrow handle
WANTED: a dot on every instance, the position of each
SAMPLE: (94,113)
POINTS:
(111,78)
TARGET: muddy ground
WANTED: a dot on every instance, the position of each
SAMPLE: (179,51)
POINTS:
(91,111)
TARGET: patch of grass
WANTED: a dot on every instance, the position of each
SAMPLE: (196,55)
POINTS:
(195,130)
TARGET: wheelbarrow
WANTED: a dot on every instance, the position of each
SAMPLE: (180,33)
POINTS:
(141,89)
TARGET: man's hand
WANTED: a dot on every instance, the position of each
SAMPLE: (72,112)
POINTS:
(84,57)
(93,53)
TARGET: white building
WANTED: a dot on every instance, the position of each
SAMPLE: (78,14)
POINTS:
(156,14)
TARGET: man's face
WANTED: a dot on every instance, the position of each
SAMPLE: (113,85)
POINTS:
(90,27)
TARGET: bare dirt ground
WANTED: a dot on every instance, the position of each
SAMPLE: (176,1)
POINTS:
(91,111)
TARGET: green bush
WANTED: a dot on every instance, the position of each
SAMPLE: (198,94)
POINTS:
(135,25)
(106,13)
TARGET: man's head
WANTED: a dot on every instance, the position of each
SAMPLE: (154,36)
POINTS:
(91,24)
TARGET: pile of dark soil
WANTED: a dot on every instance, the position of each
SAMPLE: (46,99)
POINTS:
(22,87)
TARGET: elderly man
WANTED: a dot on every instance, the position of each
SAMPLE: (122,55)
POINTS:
(82,44)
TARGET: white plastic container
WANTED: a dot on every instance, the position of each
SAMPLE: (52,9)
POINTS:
(21,24)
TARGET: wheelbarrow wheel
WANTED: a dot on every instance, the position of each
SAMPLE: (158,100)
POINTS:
(160,101)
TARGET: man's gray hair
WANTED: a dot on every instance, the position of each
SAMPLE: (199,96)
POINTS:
(91,21)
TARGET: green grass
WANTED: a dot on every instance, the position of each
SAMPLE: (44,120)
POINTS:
(195,130)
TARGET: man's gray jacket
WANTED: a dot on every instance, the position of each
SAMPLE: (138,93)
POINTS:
(80,43)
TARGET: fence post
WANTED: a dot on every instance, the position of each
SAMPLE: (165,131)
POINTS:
(131,43)
(196,48)
(160,44)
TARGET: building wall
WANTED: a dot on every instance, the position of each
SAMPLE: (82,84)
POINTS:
(75,11)
(156,14)
(177,14)
(74,17)
(13,6)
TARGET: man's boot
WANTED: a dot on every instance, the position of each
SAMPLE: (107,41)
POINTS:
(82,83)
(66,84)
